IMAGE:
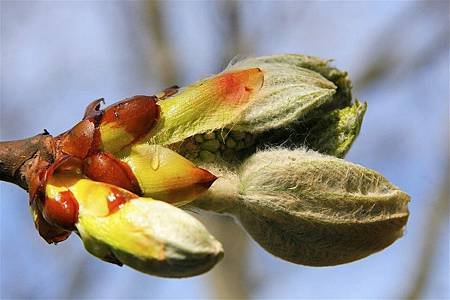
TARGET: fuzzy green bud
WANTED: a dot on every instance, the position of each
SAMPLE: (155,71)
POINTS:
(311,209)
(292,88)
(257,102)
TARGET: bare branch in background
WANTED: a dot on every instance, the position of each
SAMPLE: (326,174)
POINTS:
(437,219)
(387,55)
(230,31)
(160,60)
(161,54)
(229,278)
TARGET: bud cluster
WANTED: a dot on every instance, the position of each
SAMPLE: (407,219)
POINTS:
(94,188)
(120,176)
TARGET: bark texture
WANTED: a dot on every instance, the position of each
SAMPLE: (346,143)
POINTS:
(17,158)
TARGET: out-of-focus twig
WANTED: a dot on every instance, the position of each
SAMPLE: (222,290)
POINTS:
(437,219)
(388,56)
(229,277)
(230,31)
(162,54)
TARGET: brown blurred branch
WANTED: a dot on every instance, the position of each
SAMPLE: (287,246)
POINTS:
(436,221)
(162,60)
(387,57)
(229,277)
(162,54)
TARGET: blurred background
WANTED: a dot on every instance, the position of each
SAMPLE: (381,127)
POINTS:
(58,56)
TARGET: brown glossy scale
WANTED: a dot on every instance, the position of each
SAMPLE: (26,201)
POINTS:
(37,180)
(43,170)
(61,211)
(50,233)
(106,168)
(79,140)
(136,115)
(58,213)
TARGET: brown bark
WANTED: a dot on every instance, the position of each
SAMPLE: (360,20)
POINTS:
(17,158)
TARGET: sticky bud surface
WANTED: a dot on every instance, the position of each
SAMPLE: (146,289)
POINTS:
(61,210)
(127,121)
(79,140)
(106,168)
(151,236)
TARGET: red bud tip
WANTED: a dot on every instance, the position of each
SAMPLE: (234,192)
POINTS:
(239,84)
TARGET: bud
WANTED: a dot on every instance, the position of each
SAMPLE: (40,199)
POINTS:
(304,207)
(312,209)
(166,175)
(148,235)
(285,97)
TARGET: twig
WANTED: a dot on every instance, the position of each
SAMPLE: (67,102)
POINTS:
(17,157)
(436,220)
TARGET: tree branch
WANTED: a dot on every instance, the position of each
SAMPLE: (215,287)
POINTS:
(17,157)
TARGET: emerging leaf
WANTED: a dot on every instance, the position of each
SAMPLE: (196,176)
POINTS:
(206,105)
(298,92)
(153,237)
(291,90)
(309,208)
